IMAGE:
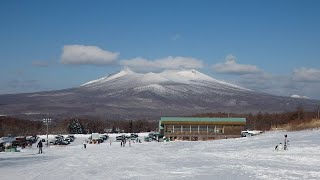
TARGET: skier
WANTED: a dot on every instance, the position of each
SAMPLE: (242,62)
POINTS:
(285,146)
(110,142)
(121,143)
(84,144)
(40,146)
(130,143)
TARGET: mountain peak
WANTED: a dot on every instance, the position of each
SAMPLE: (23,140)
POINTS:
(126,78)
(127,70)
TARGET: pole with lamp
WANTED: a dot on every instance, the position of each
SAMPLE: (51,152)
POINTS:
(47,121)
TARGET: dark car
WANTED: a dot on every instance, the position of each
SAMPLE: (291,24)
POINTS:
(120,138)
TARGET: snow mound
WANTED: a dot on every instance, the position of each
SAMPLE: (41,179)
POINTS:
(299,97)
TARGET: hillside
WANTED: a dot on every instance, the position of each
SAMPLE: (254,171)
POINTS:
(130,95)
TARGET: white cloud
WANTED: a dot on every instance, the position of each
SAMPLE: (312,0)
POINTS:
(269,83)
(306,75)
(144,65)
(230,66)
(281,85)
(91,55)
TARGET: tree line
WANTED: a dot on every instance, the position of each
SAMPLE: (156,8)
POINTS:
(266,121)
(259,121)
(23,127)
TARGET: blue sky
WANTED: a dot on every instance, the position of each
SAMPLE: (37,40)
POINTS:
(268,46)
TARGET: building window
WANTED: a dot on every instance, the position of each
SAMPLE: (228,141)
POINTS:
(211,129)
(203,129)
(194,128)
(186,128)
(177,128)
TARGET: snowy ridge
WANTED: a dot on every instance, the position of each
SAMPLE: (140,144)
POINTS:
(109,77)
(299,97)
(129,79)
(192,76)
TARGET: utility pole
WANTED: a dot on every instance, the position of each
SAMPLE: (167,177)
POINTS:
(47,121)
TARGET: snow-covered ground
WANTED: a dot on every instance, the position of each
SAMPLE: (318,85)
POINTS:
(243,158)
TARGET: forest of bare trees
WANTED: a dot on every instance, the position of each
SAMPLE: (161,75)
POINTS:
(260,121)
(266,121)
(16,127)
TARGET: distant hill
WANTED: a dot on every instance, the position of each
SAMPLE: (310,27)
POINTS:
(130,95)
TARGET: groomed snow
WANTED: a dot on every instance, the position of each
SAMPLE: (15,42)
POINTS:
(242,158)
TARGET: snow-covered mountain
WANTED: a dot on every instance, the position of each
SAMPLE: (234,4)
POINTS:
(128,94)
(168,82)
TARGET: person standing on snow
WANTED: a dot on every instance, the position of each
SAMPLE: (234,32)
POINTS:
(40,147)
(285,146)
(84,144)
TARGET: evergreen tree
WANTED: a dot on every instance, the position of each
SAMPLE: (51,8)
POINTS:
(75,127)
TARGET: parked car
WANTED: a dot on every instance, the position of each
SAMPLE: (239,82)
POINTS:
(120,138)
(104,137)
(71,137)
(60,140)
(1,147)
(20,141)
(68,139)
(32,139)
(134,136)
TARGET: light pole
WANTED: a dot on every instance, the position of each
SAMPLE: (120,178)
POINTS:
(47,121)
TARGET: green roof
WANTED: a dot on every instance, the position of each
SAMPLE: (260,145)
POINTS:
(204,119)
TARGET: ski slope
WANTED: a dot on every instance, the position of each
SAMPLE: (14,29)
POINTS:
(243,158)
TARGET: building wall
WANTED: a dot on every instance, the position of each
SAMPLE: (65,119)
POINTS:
(195,132)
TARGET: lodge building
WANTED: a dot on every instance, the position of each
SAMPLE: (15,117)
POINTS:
(201,129)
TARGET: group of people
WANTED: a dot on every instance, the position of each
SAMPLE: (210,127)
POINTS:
(124,142)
